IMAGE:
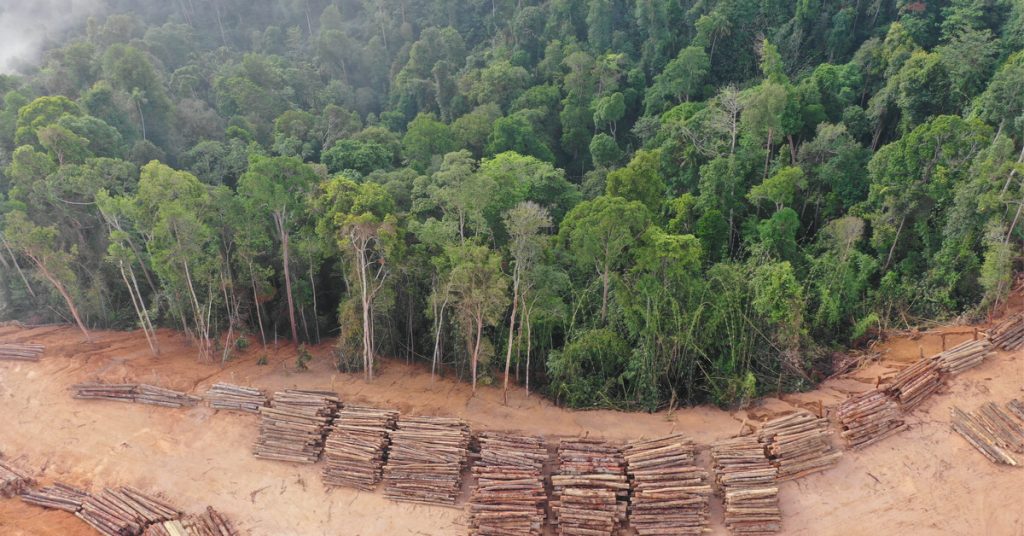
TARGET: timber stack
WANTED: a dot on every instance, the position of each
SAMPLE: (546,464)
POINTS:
(1002,425)
(124,511)
(236,398)
(914,384)
(798,444)
(21,352)
(974,430)
(426,459)
(13,481)
(590,492)
(868,418)
(168,398)
(209,523)
(670,494)
(747,482)
(118,392)
(1016,407)
(294,426)
(356,447)
(58,497)
(963,356)
(1008,335)
(509,496)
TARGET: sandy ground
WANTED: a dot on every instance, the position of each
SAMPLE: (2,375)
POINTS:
(924,481)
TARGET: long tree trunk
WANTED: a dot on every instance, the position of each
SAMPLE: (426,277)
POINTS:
(437,337)
(64,294)
(17,266)
(476,346)
(511,330)
(138,308)
(256,304)
(529,341)
(286,259)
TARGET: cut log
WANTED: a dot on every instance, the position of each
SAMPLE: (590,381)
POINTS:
(356,447)
(590,491)
(509,495)
(21,352)
(747,482)
(294,427)
(670,494)
(426,460)
(868,418)
(798,444)
(226,396)
(1008,335)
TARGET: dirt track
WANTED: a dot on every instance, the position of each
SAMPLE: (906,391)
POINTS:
(924,481)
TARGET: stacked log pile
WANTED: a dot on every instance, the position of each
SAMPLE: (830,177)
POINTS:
(869,417)
(13,481)
(209,523)
(670,494)
(509,495)
(21,352)
(124,511)
(356,446)
(121,392)
(58,496)
(426,460)
(798,444)
(963,356)
(590,492)
(294,426)
(981,437)
(168,398)
(914,384)
(1016,407)
(1003,426)
(746,480)
(236,397)
(1009,334)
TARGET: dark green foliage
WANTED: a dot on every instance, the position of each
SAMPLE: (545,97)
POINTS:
(734,188)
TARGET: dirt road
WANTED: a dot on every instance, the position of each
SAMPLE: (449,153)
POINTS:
(924,481)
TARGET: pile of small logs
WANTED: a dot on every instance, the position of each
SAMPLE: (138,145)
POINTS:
(1008,429)
(963,356)
(509,495)
(590,491)
(120,392)
(13,481)
(798,444)
(914,384)
(746,480)
(975,431)
(869,417)
(124,511)
(158,396)
(426,459)
(670,493)
(1008,334)
(58,496)
(236,397)
(294,426)
(21,352)
(209,523)
(356,446)
(1016,407)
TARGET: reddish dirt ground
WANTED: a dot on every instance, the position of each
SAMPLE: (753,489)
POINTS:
(924,481)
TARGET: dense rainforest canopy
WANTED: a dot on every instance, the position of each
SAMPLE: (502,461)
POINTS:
(618,203)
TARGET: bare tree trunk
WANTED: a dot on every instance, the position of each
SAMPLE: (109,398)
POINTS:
(312,286)
(138,308)
(286,259)
(476,347)
(17,266)
(64,294)
(256,303)
(437,337)
(511,330)
(529,341)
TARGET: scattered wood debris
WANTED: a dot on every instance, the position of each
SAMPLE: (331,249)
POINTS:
(356,446)
(57,496)
(236,397)
(798,444)
(868,418)
(13,481)
(294,426)
(981,437)
(168,398)
(670,494)
(590,490)
(746,480)
(120,392)
(1016,407)
(426,459)
(914,384)
(509,496)
(21,352)
(124,511)
(1008,334)
(963,356)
